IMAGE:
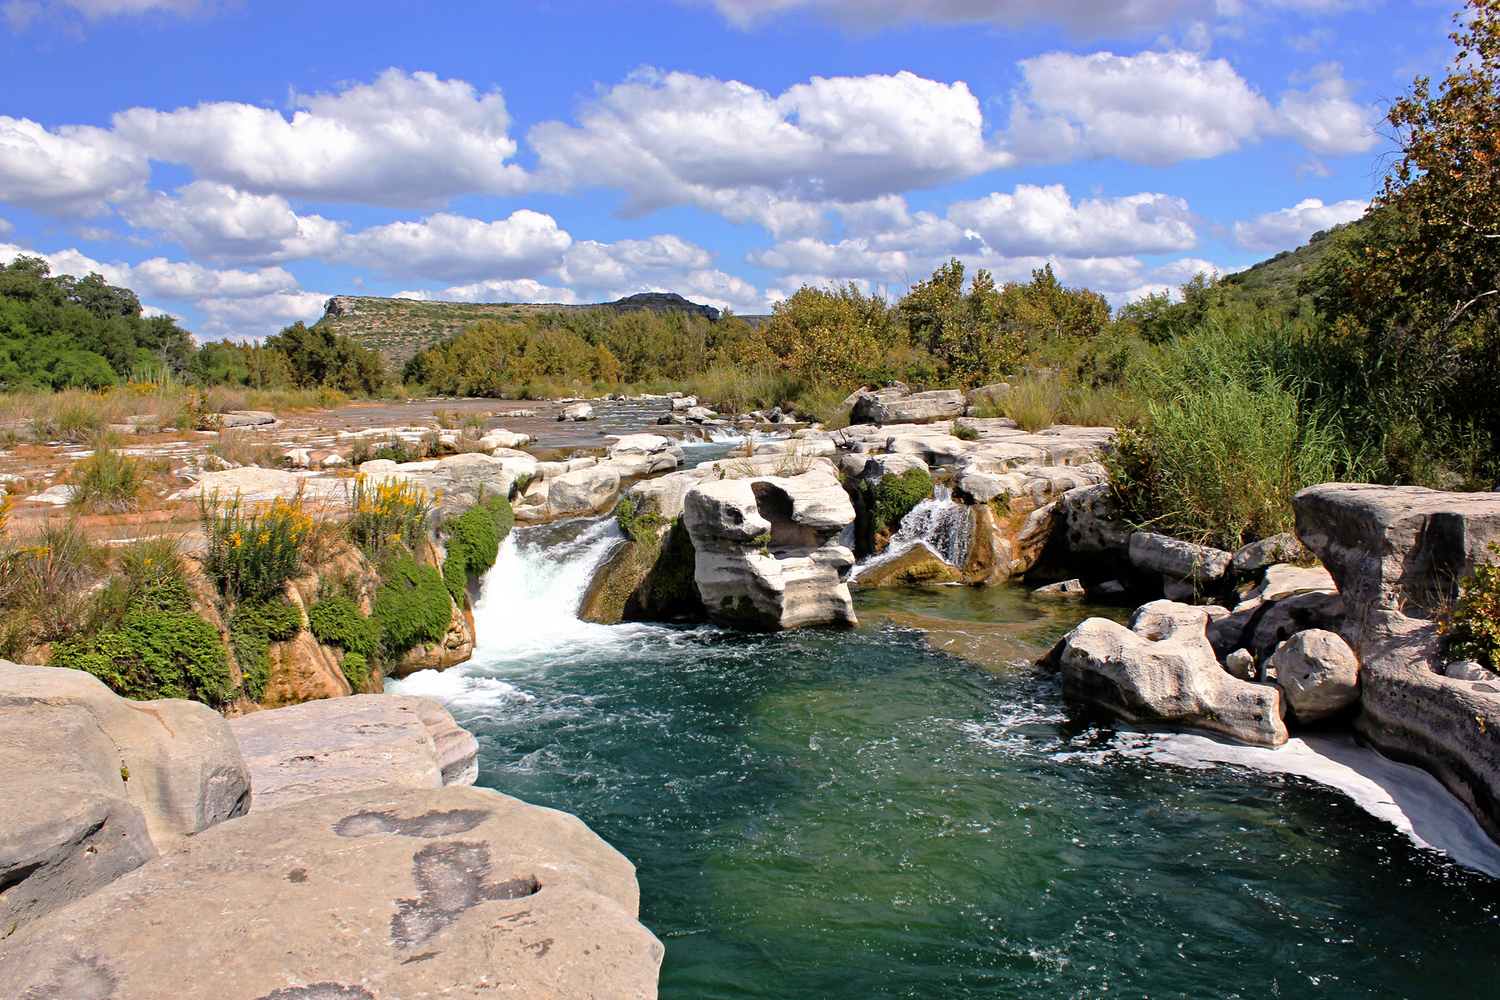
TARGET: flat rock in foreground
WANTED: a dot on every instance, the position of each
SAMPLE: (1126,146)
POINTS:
(375,895)
(345,744)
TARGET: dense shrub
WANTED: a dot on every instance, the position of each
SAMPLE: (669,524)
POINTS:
(1220,462)
(253,549)
(356,670)
(1474,629)
(162,649)
(474,539)
(253,627)
(412,606)
(337,621)
(894,496)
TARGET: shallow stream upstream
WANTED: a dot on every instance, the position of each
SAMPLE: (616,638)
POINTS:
(907,809)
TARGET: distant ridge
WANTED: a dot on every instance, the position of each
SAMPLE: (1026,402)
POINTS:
(399,328)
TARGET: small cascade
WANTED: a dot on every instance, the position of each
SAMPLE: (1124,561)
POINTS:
(943,525)
(529,599)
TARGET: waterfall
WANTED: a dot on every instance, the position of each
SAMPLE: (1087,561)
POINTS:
(941,524)
(527,613)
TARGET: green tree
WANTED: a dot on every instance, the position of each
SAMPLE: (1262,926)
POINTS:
(1409,301)
(965,331)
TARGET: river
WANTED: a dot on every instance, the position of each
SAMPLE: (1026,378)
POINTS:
(857,814)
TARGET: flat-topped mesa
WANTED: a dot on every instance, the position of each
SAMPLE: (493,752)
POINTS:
(768,551)
(1397,554)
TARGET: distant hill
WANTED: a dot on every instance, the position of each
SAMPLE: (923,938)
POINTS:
(1275,280)
(399,328)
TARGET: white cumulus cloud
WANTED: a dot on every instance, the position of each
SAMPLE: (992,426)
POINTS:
(453,247)
(1160,108)
(1044,220)
(408,140)
(733,149)
(71,170)
(261,316)
(221,224)
(1289,228)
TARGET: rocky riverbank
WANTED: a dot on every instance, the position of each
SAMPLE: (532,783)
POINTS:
(340,853)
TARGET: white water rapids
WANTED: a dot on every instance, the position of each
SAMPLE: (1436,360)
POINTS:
(527,623)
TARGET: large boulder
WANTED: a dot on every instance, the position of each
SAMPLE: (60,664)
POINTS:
(1398,548)
(577,411)
(385,893)
(1318,672)
(1093,526)
(645,455)
(585,491)
(918,566)
(767,552)
(94,785)
(345,744)
(1397,553)
(901,406)
(1163,670)
(496,475)
(1175,559)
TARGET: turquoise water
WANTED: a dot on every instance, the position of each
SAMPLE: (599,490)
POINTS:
(854,814)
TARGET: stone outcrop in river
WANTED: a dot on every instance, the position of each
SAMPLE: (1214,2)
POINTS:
(767,550)
(1162,670)
(356,896)
(1396,554)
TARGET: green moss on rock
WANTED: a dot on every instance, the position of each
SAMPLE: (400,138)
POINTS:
(894,496)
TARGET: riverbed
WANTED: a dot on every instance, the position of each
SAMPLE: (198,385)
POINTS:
(895,811)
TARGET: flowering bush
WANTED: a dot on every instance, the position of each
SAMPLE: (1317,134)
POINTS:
(385,511)
(253,549)
(1474,629)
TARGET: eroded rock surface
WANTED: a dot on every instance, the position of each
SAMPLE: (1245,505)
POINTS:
(1397,554)
(767,550)
(385,894)
(345,744)
(1163,670)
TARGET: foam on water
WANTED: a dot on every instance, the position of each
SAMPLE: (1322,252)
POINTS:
(1408,798)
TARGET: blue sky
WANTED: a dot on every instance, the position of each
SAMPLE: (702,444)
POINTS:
(238,163)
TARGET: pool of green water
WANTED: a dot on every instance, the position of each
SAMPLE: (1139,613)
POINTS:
(856,814)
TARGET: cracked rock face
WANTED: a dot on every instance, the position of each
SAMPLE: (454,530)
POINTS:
(1397,553)
(767,550)
(375,895)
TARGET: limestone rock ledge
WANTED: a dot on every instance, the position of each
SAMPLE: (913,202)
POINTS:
(343,744)
(1396,553)
(382,894)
